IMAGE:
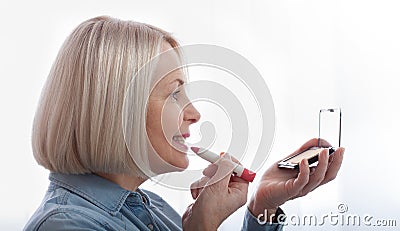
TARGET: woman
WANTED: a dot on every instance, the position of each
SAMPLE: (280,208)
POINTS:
(100,147)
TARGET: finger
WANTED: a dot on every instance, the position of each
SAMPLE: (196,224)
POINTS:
(223,173)
(188,212)
(323,143)
(200,183)
(231,157)
(331,157)
(319,173)
(314,143)
(194,193)
(237,179)
(334,166)
(210,170)
(312,170)
(239,183)
(197,186)
(309,144)
(301,180)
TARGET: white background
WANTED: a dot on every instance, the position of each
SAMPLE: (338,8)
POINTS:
(312,54)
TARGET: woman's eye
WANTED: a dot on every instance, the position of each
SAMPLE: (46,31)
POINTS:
(175,95)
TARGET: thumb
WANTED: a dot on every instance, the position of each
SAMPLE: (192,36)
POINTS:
(224,172)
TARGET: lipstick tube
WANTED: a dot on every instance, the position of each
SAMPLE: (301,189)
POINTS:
(212,157)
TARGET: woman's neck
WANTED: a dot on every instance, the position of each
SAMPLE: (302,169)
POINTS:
(127,182)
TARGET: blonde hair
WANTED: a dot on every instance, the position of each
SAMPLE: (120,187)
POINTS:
(78,125)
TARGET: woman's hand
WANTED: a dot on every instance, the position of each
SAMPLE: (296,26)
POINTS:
(280,185)
(218,194)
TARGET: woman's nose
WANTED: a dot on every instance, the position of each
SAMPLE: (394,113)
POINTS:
(191,114)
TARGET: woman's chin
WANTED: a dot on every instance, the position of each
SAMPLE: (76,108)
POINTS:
(181,163)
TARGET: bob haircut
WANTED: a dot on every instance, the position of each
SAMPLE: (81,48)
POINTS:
(78,125)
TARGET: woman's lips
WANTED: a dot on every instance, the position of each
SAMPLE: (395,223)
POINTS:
(179,141)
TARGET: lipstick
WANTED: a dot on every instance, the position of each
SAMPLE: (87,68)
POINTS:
(212,157)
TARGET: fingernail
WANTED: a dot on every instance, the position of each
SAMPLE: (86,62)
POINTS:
(194,194)
(226,155)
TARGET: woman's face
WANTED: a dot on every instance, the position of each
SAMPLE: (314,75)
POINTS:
(169,116)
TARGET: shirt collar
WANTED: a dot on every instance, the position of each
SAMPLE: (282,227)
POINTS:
(100,191)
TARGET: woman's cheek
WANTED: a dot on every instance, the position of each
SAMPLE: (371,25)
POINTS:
(171,120)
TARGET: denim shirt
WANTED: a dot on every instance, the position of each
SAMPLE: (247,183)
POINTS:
(90,202)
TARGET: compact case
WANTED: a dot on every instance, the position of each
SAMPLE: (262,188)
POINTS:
(312,153)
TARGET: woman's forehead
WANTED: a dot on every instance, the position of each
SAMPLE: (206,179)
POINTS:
(173,78)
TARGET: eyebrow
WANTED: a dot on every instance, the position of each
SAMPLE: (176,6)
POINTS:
(181,82)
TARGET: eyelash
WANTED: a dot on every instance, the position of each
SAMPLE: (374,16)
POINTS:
(174,95)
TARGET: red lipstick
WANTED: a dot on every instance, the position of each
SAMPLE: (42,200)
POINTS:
(212,157)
